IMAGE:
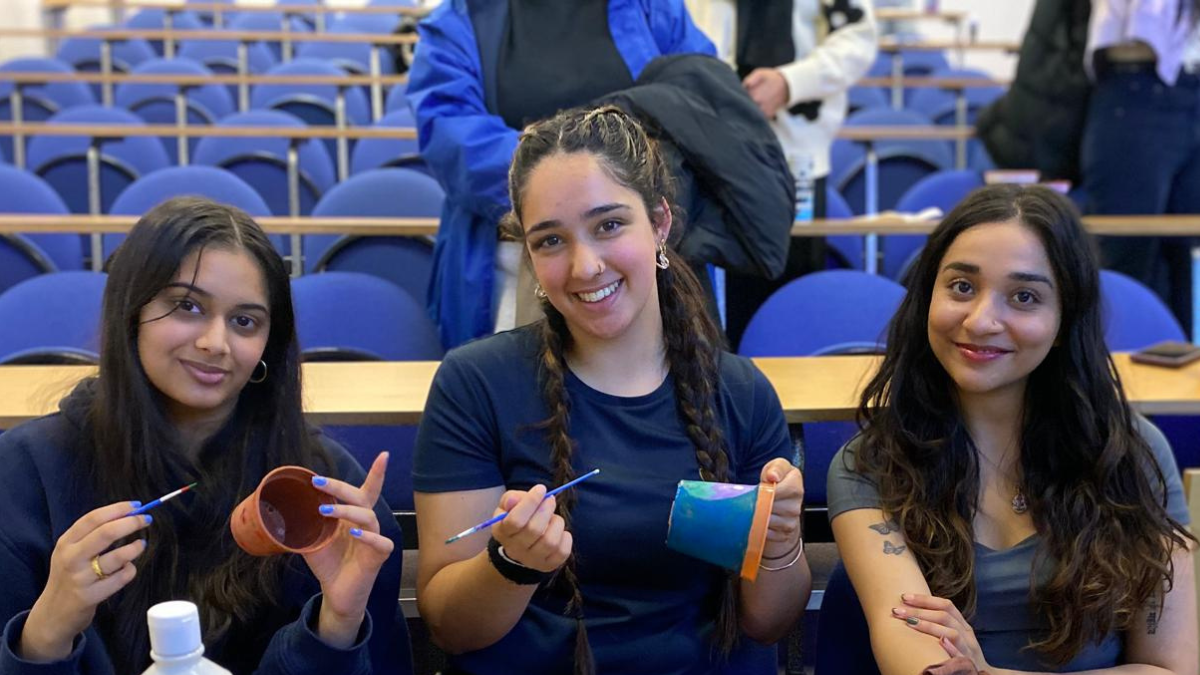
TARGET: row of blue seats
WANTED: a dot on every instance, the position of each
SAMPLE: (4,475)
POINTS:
(84,53)
(207,104)
(348,316)
(388,192)
(260,161)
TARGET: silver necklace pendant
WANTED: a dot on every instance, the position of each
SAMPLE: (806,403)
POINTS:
(1019,503)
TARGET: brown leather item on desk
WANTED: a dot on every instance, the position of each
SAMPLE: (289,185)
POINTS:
(959,665)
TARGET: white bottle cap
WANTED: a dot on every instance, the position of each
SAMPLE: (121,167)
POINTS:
(174,629)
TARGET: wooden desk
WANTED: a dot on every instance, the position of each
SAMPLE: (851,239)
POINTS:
(78,223)
(182,80)
(890,14)
(932,82)
(949,45)
(201,131)
(119,34)
(1160,226)
(216,8)
(893,223)
(810,389)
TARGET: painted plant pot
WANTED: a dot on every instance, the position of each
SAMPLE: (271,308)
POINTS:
(722,523)
(282,516)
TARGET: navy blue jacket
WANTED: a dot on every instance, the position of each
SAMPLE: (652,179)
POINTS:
(44,493)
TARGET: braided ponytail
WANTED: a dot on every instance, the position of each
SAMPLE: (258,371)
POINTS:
(692,341)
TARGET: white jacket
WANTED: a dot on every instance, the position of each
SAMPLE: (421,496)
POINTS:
(828,61)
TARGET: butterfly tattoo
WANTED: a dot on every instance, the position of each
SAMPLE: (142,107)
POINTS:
(885,527)
(891,549)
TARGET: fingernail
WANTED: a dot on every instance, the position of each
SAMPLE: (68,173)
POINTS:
(907,597)
(149,518)
(912,621)
(897,611)
(320,481)
(326,509)
(355,532)
(386,457)
(135,503)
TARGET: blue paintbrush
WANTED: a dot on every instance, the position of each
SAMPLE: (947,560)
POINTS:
(142,509)
(497,518)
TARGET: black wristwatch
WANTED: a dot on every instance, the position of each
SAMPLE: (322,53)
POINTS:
(511,569)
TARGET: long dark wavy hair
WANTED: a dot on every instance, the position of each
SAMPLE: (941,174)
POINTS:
(136,449)
(1096,503)
(693,343)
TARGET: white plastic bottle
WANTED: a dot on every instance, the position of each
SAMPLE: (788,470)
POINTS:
(806,194)
(175,641)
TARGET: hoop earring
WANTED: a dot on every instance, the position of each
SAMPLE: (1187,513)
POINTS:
(661,259)
(262,378)
(539,292)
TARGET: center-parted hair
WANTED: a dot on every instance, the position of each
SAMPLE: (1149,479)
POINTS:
(1096,494)
(692,342)
(136,448)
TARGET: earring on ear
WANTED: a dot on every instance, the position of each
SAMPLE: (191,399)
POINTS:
(539,291)
(261,378)
(661,259)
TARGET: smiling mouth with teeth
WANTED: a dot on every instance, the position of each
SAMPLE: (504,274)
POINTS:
(601,294)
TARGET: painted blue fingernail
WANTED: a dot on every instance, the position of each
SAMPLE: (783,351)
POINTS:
(149,518)
(320,481)
(355,532)
(327,509)
(912,621)
(135,503)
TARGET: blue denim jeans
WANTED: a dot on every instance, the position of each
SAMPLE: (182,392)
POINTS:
(1141,155)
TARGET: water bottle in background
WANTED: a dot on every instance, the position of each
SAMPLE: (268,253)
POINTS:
(175,641)
(802,172)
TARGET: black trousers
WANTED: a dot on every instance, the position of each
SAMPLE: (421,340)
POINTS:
(745,293)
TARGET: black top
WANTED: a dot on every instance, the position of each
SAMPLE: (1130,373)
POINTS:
(648,609)
(556,55)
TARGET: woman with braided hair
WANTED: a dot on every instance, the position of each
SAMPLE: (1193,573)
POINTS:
(626,374)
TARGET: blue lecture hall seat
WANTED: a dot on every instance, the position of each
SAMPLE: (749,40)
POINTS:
(52,318)
(178,181)
(262,162)
(824,313)
(359,317)
(62,160)
(23,192)
(390,193)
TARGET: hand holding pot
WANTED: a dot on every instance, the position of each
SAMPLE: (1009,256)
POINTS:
(348,566)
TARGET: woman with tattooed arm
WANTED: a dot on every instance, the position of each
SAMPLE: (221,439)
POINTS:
(1002,502)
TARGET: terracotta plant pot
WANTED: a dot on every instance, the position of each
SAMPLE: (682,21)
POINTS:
(282,516)
(722,523)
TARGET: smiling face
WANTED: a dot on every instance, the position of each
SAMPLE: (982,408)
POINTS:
(995,312)
(201,337)
(593,246)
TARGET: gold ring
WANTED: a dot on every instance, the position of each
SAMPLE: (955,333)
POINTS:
(96,568)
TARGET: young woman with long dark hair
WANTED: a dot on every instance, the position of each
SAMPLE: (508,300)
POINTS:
(625,374)
(1002,501)
(199,380)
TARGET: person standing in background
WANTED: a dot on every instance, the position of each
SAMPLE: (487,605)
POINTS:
(797,59)
(1141,143)
(482,72)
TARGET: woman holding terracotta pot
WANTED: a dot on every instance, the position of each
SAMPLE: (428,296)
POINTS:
(198,382)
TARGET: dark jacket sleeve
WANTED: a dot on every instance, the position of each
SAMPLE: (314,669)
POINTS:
(27,484)
(1039,123)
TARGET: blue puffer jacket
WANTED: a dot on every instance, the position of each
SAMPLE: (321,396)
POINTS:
(452,90)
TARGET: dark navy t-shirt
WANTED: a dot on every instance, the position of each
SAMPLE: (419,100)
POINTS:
(648,609)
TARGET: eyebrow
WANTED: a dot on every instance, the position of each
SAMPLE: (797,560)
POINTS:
(1028,277)
(587,215)
(192,288)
